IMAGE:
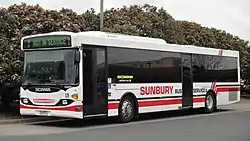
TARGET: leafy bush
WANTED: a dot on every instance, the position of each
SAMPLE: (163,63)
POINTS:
(20,20)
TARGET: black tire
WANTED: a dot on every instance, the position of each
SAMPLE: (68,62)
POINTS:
(209,108)
(128,102)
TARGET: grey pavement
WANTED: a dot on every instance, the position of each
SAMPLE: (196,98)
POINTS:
(243,105)
(228,125)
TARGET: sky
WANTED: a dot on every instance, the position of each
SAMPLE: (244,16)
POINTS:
(230,15)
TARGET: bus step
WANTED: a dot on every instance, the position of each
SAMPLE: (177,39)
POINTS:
(186,107)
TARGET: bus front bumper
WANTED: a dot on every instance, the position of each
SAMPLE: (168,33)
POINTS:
(75,111)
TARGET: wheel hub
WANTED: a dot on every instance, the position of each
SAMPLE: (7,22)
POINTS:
(127,108)
(209,101)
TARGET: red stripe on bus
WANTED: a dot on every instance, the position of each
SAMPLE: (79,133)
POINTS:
(113,105)
(227,89)
(158,102)
(71,108)
(213,85)
(141,103)
(198,100)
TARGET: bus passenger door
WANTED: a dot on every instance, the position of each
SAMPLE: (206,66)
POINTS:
(95,91)
(187,81)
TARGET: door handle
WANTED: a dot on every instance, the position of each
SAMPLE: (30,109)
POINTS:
(99,94)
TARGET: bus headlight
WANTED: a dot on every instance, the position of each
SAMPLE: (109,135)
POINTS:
(25,101)
(64,102)
(74,96)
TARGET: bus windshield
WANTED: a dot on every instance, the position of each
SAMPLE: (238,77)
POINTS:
(53,67)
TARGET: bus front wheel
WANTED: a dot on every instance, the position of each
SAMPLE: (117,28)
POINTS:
(127,109)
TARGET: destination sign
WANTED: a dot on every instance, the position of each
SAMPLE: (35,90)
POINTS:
(47,41)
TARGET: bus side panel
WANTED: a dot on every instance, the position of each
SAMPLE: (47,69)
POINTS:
(199,93)
(113,108)
(169,98)
(227,93)
(151,97)
(168,104)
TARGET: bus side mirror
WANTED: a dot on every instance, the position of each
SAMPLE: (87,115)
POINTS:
(77,59)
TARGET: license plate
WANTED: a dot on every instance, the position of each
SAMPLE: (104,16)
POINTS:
(43,113)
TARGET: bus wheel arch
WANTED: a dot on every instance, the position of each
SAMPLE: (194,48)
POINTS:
(210,102)
(129,97)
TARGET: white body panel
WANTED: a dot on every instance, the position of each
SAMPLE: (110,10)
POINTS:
(167,104)
(172,99)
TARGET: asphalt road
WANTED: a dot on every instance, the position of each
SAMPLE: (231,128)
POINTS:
(231,124)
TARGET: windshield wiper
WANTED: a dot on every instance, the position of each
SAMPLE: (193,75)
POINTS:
(30,83)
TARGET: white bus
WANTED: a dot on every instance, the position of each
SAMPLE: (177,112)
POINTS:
(92,74)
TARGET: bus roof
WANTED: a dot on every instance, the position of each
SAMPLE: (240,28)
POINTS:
(118,36)
(138,42)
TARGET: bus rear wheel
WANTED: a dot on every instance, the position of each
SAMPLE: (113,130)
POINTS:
(210,103)
(126,109)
